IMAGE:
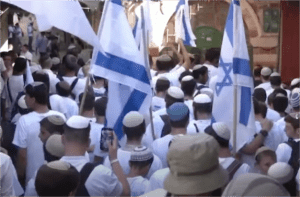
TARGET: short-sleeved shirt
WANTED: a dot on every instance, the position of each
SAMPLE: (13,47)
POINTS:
(272,115)
(157,179)
(226,162)
(124,157)
(200,124)
(101,182)
(138,185)
(64,105)
(284,152)
(266,86)
(53,80)
(26,136)
(78,88)
(158,103)
(161,147)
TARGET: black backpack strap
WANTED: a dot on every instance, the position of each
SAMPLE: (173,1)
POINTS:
(167,126)
(232,168)
(8,90)
(84,175)
(197,130)
(24,78)
(60,78)
(74,84)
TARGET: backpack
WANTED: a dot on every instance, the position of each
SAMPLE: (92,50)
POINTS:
(294,159)
(84,175)
(72,85)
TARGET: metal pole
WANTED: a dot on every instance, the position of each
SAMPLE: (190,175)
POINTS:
(234,115)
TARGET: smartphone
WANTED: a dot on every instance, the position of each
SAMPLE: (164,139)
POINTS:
(106,135)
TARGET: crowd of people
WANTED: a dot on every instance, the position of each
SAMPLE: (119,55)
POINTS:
(49,147)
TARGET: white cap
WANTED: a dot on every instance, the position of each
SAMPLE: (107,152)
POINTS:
(55,60)
(133,119)
(164,58)
(221,130)
(208,91)
(280,95)
(202,98)
(59,165)
(275,74)
(296,90)
(163,78)
(72,46)
(295,81)
(281,171)
(22,103)
(141,153)
(187,78)
(175,92)
(295,98)
(78,122)
(198,66)
(266,71)
(54,146)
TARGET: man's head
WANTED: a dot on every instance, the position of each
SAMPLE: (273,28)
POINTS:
(100,106)
(57,178)
(164,63)
(50,125)
(36,94)
(260,94)
(275,80)
(220,132)
(54,149)
(256,71)
(194,166)
(292,125)
(200,73)
(295,100)
(174,94)
(71,63)
(212,55)
(77,131)
(162,84)
(63,89)
(260,108)
(265,74)
(141,160)
(24,48)
(179,115)
(202,105)
(295,83)
(41,76)
(188,85)
(280,103)
(88,104)
(20,66)
(47,63)
(134,125)
(264,158)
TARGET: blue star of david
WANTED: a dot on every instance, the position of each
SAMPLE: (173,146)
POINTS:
(227,81)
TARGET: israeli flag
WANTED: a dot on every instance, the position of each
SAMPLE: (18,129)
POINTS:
(183,28)
(234,71)
(129,85)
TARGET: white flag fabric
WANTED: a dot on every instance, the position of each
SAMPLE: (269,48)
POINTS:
(65,15)
(183,28)
(234,69)
(124,66)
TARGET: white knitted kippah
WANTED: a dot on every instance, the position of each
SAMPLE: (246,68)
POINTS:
(78,122)
(59,165)
(281,171)
(176,92)
(22,103)
(266,71)
(54,146)
(221,130)
(133,119)
(141,153)
(202,98)
(275,74)
(187,78)
(295,81)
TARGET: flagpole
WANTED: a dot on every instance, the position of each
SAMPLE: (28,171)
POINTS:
(93,58)
(234,115)
(146,58)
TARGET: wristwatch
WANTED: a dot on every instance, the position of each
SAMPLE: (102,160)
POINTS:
(264,133)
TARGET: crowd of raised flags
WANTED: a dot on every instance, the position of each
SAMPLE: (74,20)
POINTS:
(128,124)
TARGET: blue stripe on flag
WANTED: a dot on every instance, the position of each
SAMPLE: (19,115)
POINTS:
(123,66)
(187,40)
(119,2)
(242,67)
(229,24)
(180,3)
(134,103)
(245,105)
(213,120)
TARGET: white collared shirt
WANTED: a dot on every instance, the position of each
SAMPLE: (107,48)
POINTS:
(284,152)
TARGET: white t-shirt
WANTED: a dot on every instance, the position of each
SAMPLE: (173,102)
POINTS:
(200,124)
(281,127)
(213,82)
(161,147)
(16,85)
(212,71)
(138,185)
(189,104)
(124,157)
(10,185)
(53,80)
(172,76)
(78,88)
(26,136)
(272,115)
(160,112)
(274,137)
(158,103)
(297,180)
(101,182)
(243,169)
(157,179)
(64,105)
(266,86)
